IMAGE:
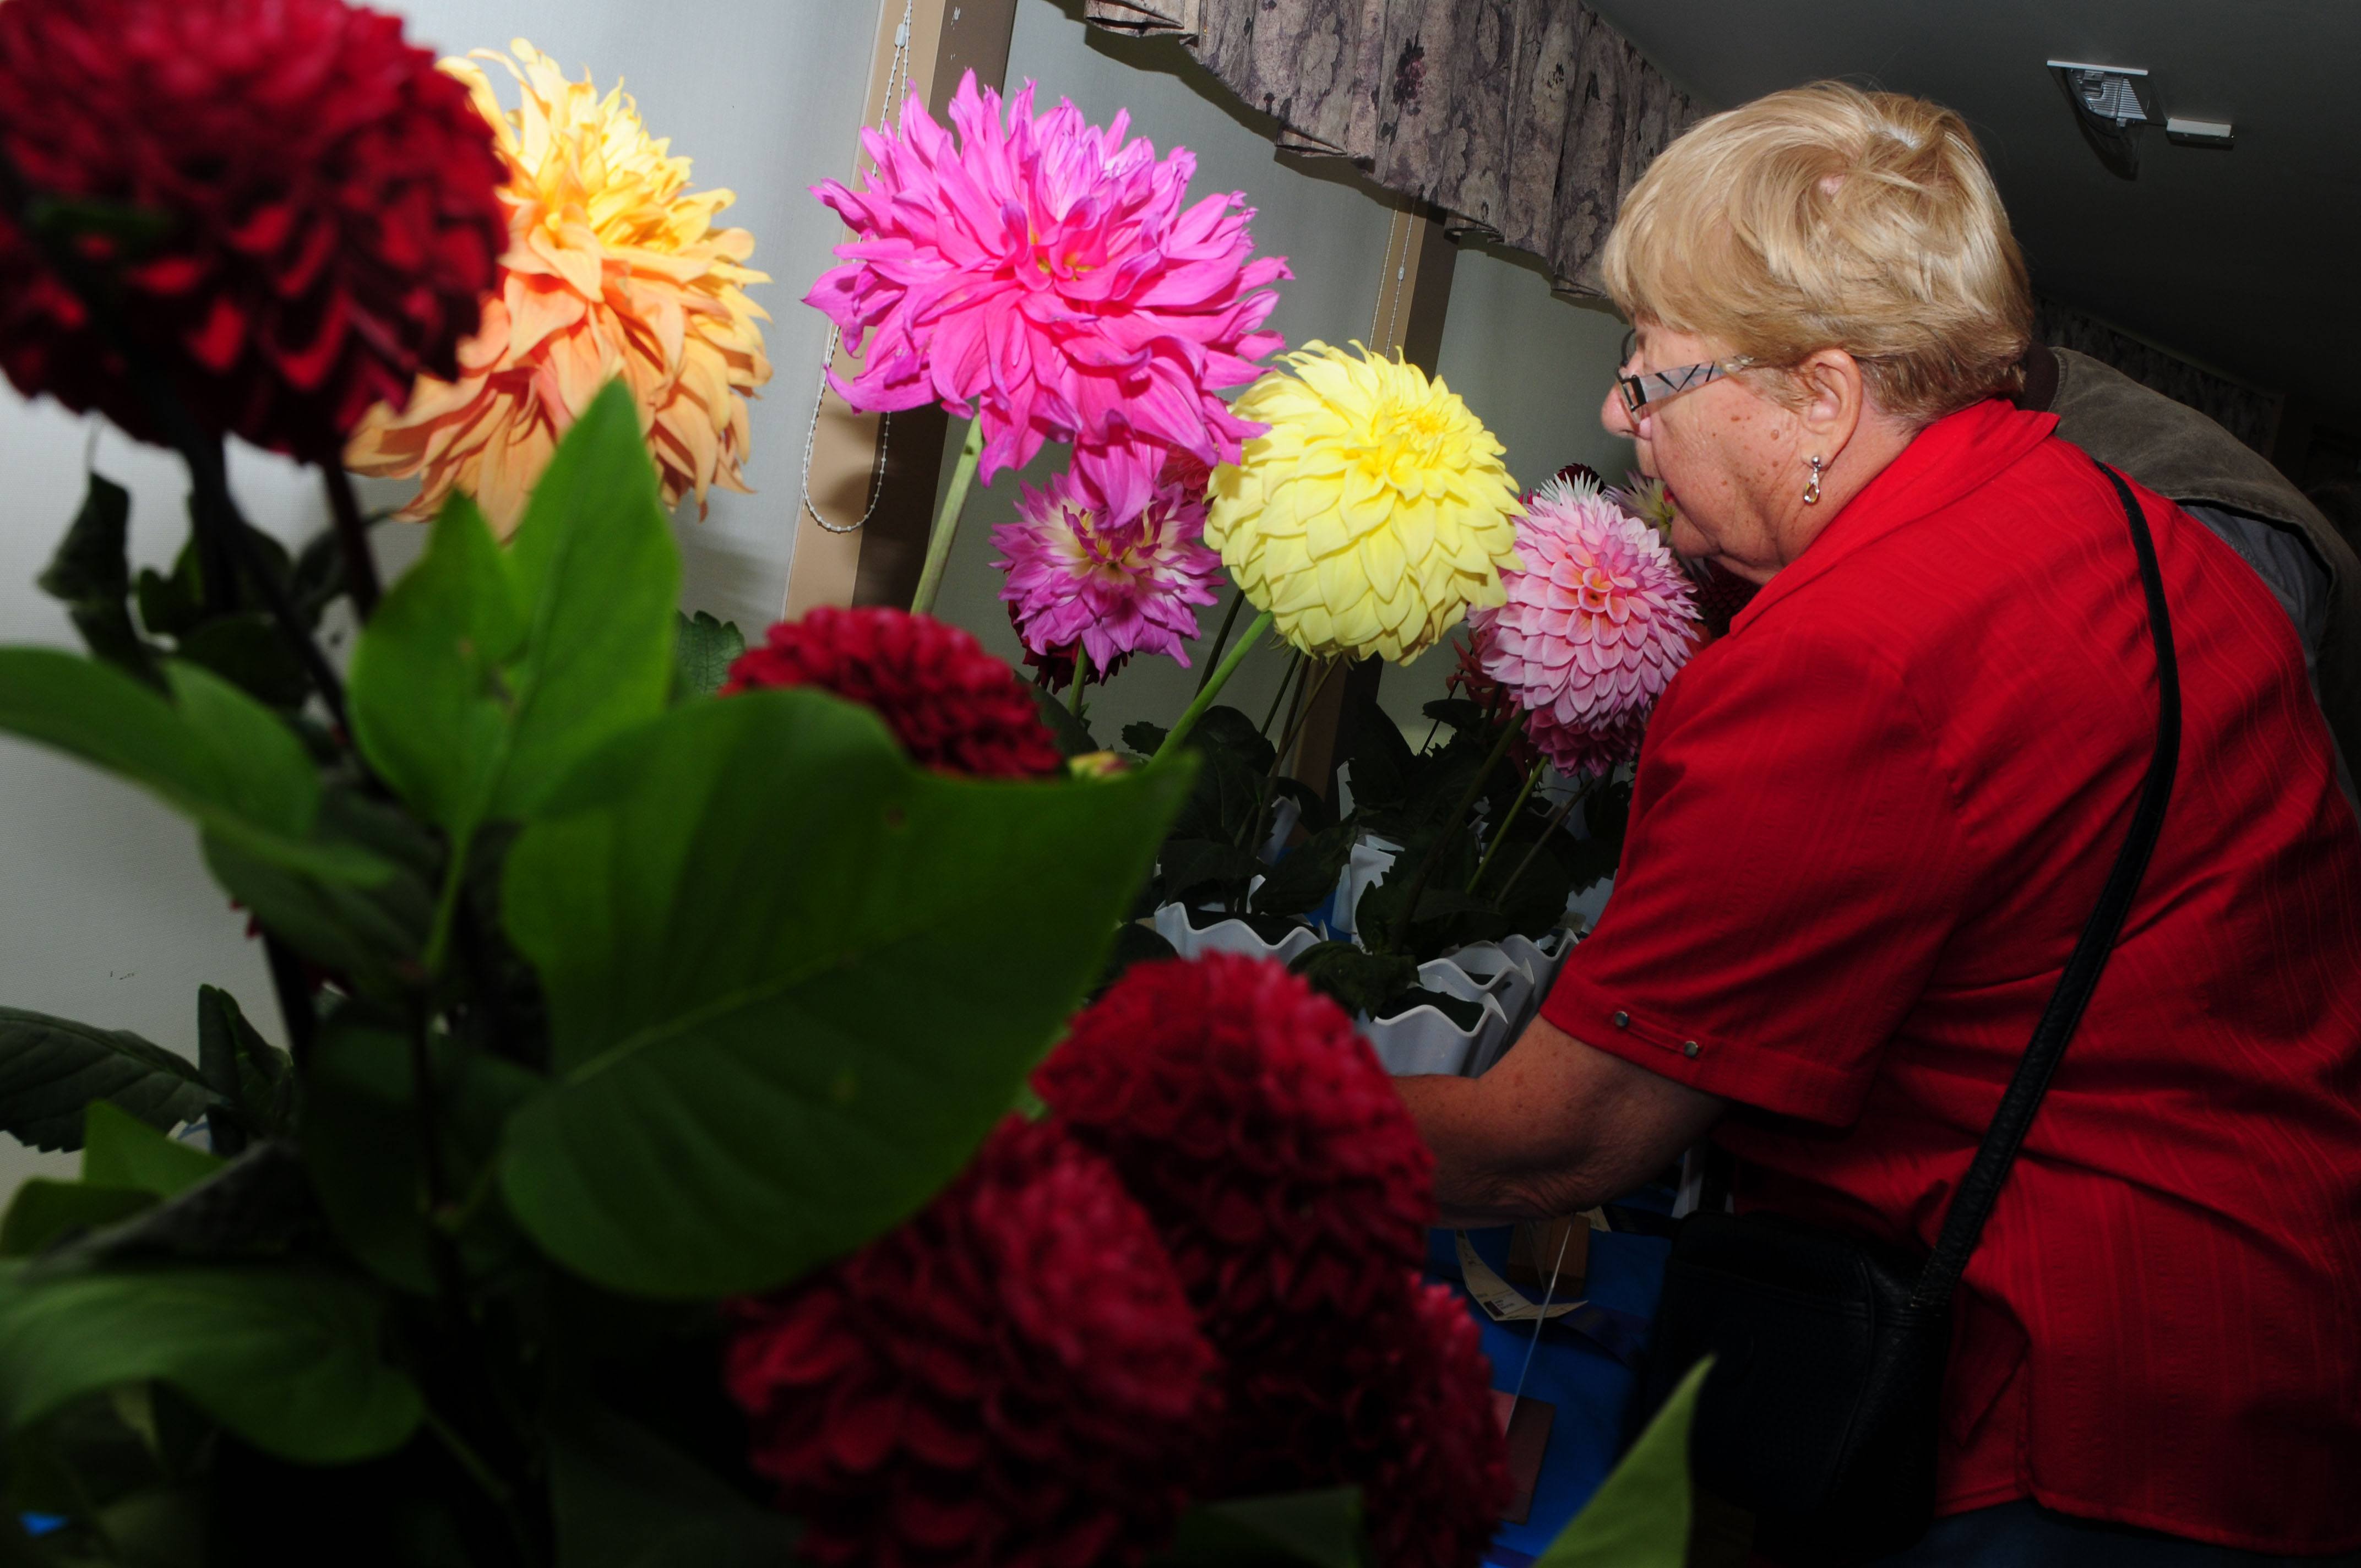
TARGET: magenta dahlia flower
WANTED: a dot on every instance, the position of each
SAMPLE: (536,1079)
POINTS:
(1042,276)
(1116,588)
(1598,618)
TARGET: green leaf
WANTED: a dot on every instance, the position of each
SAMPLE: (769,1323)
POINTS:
(1360,982)
(704,650)
(52,1068)
(1074,737)
(171,605)
(44,1210)
(255,1080)
(623,1497)
(1308,874)
(209,751)
(92,575)
(119,1151)
(429,694)
(1144,738)
(1640,1517)
(792,981)
(362,1141)
(1321,1528)
(595,564)
(1193,866)
(369,935)
(250,652)
(288,1358)
(486,677)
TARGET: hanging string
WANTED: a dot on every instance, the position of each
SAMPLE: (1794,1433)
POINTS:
(1541,1318)
(897,81)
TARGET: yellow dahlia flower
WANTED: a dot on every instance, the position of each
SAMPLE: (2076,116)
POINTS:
(613,268)
(1373,513)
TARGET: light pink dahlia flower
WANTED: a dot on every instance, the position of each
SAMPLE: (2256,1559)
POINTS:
(1598,620)
(1042,275)
(1117,587)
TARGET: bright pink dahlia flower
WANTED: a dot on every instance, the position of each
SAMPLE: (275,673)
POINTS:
(1115,588)
(1598,618)
(1041,275)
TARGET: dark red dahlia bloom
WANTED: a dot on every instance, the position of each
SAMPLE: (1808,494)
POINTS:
(1014,1377)
(1397,1402)
(332,198)
(954,707)
(1257,1127)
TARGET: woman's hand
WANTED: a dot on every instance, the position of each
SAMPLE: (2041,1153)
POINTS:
(1555,1128)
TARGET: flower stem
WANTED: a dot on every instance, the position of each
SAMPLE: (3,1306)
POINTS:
(1474,792)
(1221,638)
(352,539)
(1558,819)
(1082,677)
(1293,677)
(938,543)
(1213,688)
(1500,833)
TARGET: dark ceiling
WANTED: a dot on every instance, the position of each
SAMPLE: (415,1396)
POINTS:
(2247,261)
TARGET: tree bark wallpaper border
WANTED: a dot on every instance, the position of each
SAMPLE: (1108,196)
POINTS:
(1525,121)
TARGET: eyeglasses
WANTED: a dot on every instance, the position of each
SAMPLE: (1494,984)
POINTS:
(1657,386)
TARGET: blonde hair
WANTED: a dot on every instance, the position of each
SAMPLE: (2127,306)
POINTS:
(1824,216)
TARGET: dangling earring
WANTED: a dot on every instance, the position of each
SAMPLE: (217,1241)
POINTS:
(1812,491)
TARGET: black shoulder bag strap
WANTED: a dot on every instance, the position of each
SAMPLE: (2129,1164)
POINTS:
(1963,1225)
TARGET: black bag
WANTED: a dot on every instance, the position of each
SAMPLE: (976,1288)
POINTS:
(1819,1416)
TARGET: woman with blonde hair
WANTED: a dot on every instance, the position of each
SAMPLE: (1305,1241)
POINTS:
(1988,893)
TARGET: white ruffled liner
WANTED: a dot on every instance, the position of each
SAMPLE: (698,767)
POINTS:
(1508,978)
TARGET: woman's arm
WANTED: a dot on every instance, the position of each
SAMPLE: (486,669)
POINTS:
(1555,1128)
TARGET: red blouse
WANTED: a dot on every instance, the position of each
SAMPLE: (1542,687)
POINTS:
(1870,823)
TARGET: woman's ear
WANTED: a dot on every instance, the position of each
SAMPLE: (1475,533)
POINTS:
(1834,397)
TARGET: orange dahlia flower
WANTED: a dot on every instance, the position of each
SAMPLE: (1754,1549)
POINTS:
(614,267)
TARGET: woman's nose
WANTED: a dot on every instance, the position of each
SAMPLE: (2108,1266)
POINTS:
(1616,417)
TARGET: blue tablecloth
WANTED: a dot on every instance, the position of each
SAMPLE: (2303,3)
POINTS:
(1572,1370)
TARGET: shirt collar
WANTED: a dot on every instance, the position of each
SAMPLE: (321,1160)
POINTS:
(1949,458)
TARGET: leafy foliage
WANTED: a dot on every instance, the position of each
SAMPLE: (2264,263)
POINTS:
(1640,1517)
(604,1001)
(50,1068)
(703,650)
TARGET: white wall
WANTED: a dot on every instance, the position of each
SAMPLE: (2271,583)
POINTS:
(106,911)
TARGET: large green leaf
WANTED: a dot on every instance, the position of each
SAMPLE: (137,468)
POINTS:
(117,1151)
(288,1358)
(486,676)
(792,980)
(208,750)
(1640,1517)
(595,566)
(52,1068)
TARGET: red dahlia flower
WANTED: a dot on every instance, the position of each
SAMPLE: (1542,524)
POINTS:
(1257,1127)
(1400,1403)
(1012,1377)
(332,202)
(954,707)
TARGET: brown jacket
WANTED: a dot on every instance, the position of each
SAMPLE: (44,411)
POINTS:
(2177,452)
